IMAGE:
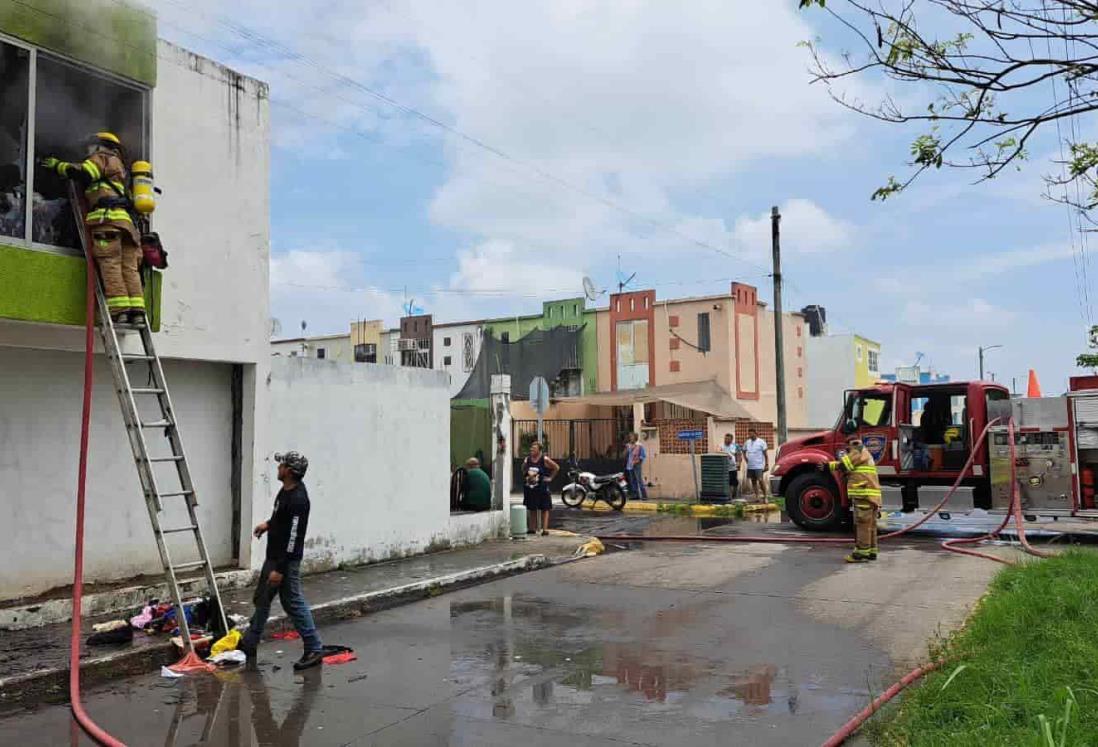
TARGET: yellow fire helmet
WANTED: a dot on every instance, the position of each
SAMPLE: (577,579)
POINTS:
(104,140)
(110,137)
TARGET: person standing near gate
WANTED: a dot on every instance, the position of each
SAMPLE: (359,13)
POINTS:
(732,450)
(538,471)
(635,456)
(758,463)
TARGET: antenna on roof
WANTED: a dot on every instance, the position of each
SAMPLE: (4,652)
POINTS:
(623,282)
(276,327)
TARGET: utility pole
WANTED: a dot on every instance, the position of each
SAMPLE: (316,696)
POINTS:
(779,348)
(982,350)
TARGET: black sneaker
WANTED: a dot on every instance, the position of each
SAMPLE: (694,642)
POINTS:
(309,660)
(137,317)
(250,649)
(530,531)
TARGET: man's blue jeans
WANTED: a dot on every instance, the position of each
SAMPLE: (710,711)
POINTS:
(636,482)
(289,593)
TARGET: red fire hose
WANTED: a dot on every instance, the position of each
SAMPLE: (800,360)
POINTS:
(92,729)
(1015,513)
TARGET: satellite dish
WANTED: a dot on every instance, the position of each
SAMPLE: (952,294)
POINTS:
(589,289)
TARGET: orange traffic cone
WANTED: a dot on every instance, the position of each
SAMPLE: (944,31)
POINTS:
(1034,386)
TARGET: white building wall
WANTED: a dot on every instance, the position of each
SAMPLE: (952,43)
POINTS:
(379,467)
(830,371)
(335,347)
(459,366)
(39,449)
(210,151)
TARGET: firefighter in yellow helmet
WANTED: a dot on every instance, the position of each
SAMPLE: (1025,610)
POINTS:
(115,240)
(863,487)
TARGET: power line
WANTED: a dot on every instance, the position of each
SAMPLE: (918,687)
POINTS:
(297,56)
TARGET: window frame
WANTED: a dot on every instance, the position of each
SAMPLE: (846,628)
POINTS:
(27,242)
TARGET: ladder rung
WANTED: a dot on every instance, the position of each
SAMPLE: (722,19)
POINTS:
(188,566)
(127,357)
(177,493)
(147,391)
(177,530)
(167,459)
(156,424)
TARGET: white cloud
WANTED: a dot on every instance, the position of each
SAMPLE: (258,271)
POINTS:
(495,267)
(325,289)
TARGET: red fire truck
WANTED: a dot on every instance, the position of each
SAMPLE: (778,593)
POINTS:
(921,436)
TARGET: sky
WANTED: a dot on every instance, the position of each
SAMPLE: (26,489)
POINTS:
(477,158)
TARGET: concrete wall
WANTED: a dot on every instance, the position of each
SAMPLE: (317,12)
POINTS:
(456,369)
(863,374)
(377,441)
(210,150)
(831,373)
(39,446)
(336,348)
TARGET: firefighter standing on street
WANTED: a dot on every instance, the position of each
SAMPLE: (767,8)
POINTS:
(863,487)
(115,243)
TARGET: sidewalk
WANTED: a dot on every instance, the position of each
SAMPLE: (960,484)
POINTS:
(34,662)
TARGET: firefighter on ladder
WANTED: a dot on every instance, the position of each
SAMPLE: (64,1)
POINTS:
(863,487)
(115,243)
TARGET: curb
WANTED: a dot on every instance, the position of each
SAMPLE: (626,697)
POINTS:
(51,685)
(682,509)
(52,611)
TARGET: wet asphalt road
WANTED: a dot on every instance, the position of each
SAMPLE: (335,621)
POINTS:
(665,645)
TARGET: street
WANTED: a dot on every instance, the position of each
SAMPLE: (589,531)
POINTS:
(684,644)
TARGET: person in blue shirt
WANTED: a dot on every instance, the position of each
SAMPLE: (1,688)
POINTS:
(635,455)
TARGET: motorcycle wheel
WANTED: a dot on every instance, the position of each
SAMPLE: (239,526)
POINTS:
(573,498)
(616,497)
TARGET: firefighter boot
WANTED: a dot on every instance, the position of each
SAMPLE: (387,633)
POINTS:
(864,516)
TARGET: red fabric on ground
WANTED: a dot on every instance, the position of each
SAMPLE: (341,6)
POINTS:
(342,658)
(289,635)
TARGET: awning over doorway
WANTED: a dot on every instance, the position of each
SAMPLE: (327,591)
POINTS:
(703,396)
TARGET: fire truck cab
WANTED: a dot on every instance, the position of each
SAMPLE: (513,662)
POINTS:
(920,436)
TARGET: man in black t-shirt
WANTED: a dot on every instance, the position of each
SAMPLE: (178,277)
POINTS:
(281,572)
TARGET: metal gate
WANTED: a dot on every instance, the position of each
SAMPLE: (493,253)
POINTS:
(596,444)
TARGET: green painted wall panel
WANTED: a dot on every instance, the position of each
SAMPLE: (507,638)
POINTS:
(44,287)
(108,34)
(567,312)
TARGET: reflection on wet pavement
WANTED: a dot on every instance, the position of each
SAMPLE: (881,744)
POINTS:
(540,659)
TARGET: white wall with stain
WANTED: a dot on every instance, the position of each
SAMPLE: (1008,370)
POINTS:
(378,442)
(210,136)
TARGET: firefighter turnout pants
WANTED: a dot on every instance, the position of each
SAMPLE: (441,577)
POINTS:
(865,527)
(118,258)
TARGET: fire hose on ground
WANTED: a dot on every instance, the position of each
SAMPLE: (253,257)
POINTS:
(1014,513)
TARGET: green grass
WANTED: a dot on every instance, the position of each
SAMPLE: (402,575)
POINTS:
(1023,671)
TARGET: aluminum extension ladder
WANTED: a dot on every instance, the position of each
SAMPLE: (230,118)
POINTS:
(155,390)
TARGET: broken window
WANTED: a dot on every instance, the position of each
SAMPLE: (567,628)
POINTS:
(72,103)
(14,94)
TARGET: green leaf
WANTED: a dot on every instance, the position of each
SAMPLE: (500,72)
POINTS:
(956,672)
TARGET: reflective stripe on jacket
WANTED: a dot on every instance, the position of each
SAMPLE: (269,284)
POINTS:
(862,481)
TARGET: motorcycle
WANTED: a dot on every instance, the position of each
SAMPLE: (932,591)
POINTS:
(609,488)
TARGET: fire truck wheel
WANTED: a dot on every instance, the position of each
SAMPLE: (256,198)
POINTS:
(812,501)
